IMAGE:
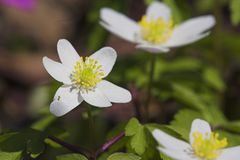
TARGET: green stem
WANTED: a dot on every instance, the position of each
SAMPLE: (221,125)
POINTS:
(91,125)
(150,83)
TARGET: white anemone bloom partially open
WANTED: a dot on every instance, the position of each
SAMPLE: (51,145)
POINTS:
(204,144)
(82,79)
(156,31)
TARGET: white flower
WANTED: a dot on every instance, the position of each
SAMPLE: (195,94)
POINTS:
(204,144)
(83,79)
(156,31)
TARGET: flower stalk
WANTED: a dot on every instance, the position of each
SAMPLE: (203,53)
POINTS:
(91,125)
(70,147)
(108,144)
(85,152)
(150,83)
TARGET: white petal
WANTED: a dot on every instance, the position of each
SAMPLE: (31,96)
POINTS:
(114,93)
(65,100)
(124,35)
(158,9)
(201,126)
(232,153)
(177,154)
(96,98)
(119,24)
(106,57)
(67,54)
(153,48)
(169,142)
(181,41)
(194,26)
(57,70)
(191,31)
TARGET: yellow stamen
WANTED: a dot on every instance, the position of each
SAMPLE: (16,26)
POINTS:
(208,148)
(156,31)
(87,74)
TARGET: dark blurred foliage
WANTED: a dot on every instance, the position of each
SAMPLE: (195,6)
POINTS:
(205,74)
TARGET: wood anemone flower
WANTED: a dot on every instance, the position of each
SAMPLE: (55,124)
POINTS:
(204,144)
(156,31)
(82,79)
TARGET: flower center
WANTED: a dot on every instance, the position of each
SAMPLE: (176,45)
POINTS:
(87,73)
(208,148)
(156,31)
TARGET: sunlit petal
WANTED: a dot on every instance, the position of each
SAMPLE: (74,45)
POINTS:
(200,126)
(119,24)
(114,93)
(158,9)
(67,54)
(57,70)
(106,57)
(96,98)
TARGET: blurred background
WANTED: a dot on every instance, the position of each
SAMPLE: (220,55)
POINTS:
(204,73)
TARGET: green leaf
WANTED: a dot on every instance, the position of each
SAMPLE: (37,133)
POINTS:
(136,131)
(151,151)
(214,115)
(123,156)
(10,155)
(213,79)
(132,127)
(232,126)
(138,141)
(187,96)
(30,140)
(71,157)
(35,144)
(182,122)
(235,11)
(5,136)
